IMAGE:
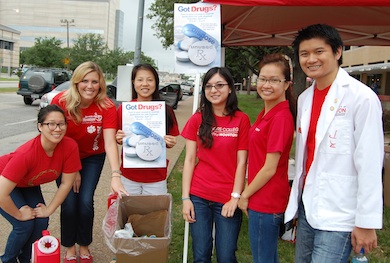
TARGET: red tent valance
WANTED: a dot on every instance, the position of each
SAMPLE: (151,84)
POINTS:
(301,2)
(276,22)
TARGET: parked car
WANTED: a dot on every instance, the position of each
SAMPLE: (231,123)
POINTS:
(176,87)
(188,88)
(48,97)
(170,96)
(35,82)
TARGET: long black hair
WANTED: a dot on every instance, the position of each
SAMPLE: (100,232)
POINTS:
(206,108)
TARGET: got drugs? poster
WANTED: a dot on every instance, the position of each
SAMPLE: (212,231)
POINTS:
(144,126)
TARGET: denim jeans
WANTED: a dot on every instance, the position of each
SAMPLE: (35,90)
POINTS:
(24,233)
(207,214)
(319,246)
(264,234)
(77,211)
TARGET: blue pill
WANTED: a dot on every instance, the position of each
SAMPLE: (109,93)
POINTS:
(140,129)
(191,30)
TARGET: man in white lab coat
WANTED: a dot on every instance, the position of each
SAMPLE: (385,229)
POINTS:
(337,191)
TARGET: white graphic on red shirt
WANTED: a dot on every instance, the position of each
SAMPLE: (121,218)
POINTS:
(225,131)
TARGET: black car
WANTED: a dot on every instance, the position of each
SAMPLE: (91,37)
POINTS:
(168,94)
(36,82)
(173,87)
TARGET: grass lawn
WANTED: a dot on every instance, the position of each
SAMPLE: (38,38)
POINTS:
(7,90)
(252,106)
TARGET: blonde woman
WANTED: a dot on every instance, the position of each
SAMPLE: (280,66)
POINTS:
(92,123)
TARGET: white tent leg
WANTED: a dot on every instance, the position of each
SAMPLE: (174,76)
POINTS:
(185,245)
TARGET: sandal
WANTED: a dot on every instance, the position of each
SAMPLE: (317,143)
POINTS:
(86,258)
(71,259)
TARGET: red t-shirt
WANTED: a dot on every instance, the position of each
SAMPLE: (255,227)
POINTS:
(148,175)
(214,174)
(30,166)
(89,133)
(271,133)
(318,100)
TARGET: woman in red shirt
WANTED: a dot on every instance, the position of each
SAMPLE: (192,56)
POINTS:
(214,168)
(151,181)
(271,136)
(38,161)
(92,123)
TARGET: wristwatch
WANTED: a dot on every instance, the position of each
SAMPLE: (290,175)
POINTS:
(235,195)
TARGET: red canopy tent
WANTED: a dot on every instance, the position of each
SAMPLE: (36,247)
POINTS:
(276,22)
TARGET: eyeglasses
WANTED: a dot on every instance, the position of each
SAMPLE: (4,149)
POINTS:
(52,125)
(262,81)
(217,86)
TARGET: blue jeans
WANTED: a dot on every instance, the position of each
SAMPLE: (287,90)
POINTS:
(77,211)
(24,233)
(264,234)
(319,246)
(227,230)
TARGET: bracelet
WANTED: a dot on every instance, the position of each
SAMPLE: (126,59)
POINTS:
(185,198)
(115,176)
(116,172)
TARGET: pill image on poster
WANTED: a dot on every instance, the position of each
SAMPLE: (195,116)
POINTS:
(202,53)
(186,43)
(193,31)
(140,129)
(182,56)
(148,149)
(130,152)
(132,140)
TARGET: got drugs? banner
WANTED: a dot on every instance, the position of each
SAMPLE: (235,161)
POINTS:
(197,37)
(144,126)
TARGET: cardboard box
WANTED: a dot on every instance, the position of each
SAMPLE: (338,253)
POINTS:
(143,249)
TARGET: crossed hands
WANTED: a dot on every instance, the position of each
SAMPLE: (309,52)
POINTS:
(28,213)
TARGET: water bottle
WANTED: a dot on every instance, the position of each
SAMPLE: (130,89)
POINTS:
(360,258)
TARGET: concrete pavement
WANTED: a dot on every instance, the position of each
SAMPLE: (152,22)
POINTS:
(99,249)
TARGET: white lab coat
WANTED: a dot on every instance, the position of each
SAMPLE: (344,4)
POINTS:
(344,186)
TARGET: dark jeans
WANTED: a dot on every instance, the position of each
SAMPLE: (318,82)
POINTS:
(264,234)
(77,211)
(24,233)
(227,230)
(320,246)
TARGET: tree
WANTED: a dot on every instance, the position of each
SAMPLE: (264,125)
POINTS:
(112,58)
(87,47)
(46,52)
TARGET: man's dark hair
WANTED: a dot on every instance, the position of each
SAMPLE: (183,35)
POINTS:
(329,34)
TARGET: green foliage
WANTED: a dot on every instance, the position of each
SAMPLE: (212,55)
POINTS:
(46,52)
(89,47)
(243,61)
(112,58)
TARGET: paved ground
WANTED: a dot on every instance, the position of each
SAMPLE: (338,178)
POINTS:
(98,248)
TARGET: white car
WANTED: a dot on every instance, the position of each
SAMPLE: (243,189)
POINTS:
(188,88)
(48,97)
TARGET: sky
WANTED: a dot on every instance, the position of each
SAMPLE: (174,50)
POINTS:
(151,45)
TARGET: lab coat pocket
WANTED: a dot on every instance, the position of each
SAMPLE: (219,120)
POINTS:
(338,137)
(337,197)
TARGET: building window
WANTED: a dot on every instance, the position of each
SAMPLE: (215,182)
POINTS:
(6,45)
